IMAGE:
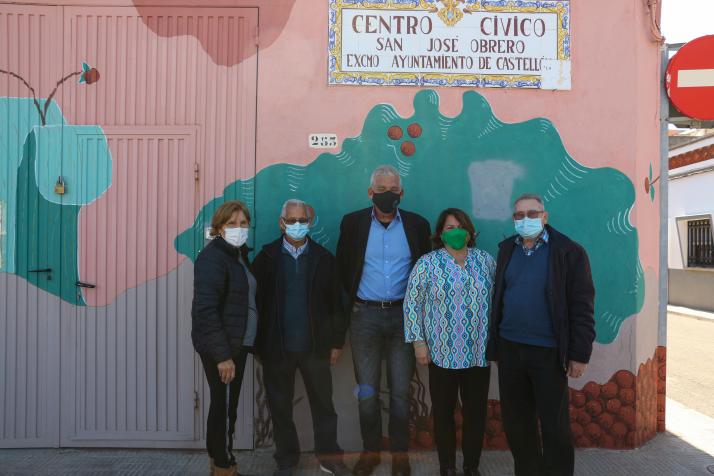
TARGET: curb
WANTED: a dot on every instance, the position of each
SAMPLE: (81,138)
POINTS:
(690,313)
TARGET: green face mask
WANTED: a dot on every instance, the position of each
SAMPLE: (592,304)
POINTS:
(455,238)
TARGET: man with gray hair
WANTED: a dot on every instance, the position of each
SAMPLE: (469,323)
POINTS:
(541,332)
(377,249)
(301,326)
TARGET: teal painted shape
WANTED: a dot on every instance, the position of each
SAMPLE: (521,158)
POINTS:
(39,227)
(472,161)
(80,154)
(17,118)
(46,232)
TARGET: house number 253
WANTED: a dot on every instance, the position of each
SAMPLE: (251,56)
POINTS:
(323,141)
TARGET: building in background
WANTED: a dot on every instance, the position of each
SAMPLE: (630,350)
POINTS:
(167,108)
(691,214)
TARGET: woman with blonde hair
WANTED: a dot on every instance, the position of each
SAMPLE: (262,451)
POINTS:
(224,321)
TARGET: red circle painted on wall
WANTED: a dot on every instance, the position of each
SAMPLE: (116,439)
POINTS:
(395,132)
(408,148)
(690,79)
(414,130)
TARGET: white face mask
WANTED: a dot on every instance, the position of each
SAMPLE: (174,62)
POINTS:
(236,236)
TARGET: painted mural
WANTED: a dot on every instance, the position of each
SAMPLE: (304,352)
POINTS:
(279,17)
(473,161)
(52,170)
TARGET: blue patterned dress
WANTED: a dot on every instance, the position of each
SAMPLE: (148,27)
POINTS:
(448,306)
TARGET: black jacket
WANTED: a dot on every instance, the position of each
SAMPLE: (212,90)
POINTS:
(571,297)
(219,313)
(352,245)
(327,320)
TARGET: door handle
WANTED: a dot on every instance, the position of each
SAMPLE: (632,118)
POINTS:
(43,270)
(80,284)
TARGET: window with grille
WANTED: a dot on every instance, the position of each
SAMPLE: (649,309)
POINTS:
(700,244)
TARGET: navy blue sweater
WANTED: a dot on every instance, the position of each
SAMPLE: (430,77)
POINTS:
(296,315)
(570,293)
(526,317)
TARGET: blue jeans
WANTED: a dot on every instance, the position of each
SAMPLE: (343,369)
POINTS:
(378,334)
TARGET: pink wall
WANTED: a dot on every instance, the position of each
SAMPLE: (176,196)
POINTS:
(609,117)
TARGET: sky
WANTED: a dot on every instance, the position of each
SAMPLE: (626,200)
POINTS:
(685,20)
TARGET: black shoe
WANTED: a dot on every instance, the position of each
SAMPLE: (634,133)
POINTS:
(471,472)
(400,465)
(284,471)
(447,472)
(335,467)
(366,464)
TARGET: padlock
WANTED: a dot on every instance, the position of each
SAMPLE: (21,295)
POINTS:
(59,186)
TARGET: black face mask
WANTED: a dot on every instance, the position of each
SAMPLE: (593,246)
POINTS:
(387,202)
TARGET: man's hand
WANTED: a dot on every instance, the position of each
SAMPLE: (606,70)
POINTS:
(576,369)
(227,371)
(335,355)
(421,352)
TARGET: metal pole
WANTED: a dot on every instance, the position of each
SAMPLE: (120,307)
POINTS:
(664,202)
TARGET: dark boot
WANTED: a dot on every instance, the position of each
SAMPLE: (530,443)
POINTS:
(218,471)
(366,464)
(334,466)
(400,465)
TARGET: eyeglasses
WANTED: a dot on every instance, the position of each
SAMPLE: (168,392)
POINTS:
(529,214)
(292,221)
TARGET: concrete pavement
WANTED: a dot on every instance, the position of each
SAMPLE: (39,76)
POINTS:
(686,449)
(690,360)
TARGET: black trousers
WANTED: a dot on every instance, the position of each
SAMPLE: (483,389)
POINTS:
(534,386)
(223,410)
(279,380)
(445,385)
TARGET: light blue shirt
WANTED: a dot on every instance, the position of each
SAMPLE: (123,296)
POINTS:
(387,262)
(294,252)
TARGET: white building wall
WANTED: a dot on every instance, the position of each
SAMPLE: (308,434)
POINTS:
(691,194)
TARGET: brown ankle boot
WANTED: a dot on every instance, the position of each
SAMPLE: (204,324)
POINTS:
(217,471)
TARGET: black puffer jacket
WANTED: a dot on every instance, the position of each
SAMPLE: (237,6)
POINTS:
(219,312)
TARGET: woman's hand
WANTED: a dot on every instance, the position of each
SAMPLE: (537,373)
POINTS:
(421,352)
(335,356)
(227,371)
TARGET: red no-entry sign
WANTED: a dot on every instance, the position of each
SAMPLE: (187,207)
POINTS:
(690,79)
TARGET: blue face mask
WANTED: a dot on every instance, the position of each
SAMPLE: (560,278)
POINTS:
(528,227)
(297,231)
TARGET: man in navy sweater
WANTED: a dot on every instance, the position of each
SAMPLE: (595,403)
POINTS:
(301,326)
(541,332)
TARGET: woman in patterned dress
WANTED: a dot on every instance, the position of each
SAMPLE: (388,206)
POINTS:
(446,312)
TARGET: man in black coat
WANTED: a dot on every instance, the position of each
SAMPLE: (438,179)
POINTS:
(301,326)
(541,332)
(377,249)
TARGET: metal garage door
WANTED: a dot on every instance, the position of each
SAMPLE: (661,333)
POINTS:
(170,123)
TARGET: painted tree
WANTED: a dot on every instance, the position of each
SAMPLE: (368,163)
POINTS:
(87,75)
